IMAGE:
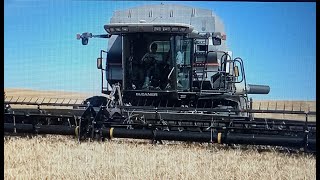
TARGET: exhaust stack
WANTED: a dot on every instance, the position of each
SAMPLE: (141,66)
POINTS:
(252,89)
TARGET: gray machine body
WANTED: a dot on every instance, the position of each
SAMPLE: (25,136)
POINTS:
(202,20)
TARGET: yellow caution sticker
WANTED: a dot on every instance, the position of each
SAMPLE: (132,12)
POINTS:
(76,131)
(111,133)
(219,138)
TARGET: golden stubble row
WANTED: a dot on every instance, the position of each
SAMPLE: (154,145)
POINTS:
(62,157)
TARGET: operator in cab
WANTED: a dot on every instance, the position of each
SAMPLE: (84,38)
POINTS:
(181,56)
(150,61)
(180,60)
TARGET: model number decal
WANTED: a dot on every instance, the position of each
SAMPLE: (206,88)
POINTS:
(183,96)
(147,94)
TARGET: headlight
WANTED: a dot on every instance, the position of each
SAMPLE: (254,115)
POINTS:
(183,29)
(174,29)
(125,29)
(166,28)
(156,29)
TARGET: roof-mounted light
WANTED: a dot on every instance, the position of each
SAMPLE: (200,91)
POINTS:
(166,29)
(111,29)
(157,29)
(124,29)
(78,36)
(175,29)
(118,29)
(183,29)
(224,37)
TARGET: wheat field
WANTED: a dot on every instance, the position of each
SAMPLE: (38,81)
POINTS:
(62,157)
(57,157)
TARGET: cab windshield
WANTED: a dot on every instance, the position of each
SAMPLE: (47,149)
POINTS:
(156,62)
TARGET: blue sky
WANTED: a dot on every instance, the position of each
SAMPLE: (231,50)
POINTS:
(277,42)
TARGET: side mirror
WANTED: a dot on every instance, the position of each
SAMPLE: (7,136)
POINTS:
(236,71)
(99,63)
(84,41)
(84,37)
(216,38)
(216,41)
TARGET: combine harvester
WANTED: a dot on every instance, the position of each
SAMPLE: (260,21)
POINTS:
(167,75)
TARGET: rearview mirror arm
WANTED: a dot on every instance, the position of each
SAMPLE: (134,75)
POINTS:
(85,37)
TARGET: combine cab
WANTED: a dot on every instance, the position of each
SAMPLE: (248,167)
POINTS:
(168,75)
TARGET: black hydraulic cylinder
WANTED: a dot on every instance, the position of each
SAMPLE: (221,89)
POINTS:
(55,129)
(132,133)
(127,133)
(272,140)
(256,139)
(185,136)
(156,135)
(39,129)
(20,128)
(257,89)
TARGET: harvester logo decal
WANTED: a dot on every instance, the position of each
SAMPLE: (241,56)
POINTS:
(147,94)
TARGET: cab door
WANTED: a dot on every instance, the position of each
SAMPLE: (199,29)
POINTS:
(183,59)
